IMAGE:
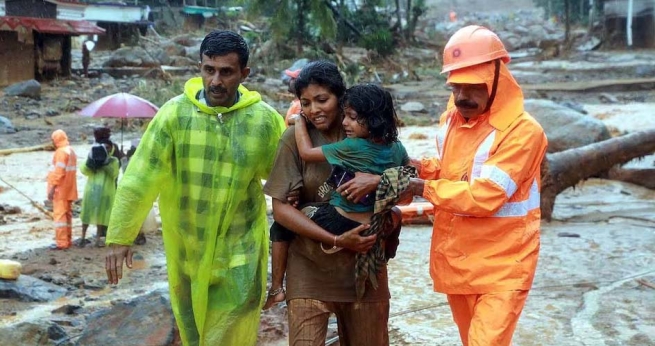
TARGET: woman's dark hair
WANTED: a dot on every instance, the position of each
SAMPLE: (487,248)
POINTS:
(374,107)
(323,73)
(223,42)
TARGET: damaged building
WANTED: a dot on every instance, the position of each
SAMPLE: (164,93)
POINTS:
(35,44)
(643,23)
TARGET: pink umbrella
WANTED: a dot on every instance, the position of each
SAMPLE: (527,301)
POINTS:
(120,105)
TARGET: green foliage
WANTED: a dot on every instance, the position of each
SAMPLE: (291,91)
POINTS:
(579,10)
(380,40)
(305,20)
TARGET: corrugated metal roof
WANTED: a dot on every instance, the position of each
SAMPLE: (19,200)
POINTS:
(51,26)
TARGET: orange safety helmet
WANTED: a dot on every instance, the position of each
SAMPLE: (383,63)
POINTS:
(472,45)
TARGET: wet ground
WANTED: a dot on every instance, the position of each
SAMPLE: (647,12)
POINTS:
(594,284)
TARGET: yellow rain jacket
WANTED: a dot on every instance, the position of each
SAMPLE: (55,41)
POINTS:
(206,165)
(484,184)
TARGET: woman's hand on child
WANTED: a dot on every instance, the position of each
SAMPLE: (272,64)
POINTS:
(354,241)
(293,198)
(359,186)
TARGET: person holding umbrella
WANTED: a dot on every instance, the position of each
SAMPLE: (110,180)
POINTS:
(204,154)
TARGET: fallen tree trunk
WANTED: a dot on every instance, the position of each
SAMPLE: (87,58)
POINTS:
(565,169)
(642,177)
(45,146)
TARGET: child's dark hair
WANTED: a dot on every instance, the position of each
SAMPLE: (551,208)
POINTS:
(223,42)
(374,107)
(323,73)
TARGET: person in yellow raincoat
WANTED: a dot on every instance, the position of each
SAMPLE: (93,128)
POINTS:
(62,189)
(204,154)
(484,184)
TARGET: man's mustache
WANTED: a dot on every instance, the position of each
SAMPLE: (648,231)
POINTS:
(467,104)
(215,89)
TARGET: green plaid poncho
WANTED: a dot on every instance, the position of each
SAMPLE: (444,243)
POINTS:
(206,165)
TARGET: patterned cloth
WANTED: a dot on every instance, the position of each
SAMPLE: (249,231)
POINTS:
(393,183)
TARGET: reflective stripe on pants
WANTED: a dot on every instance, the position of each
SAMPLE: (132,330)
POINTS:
(63,218)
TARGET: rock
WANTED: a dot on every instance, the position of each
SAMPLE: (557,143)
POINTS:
(94,285)
(146,320)
(29,289)
(6,126)
(29,333)
(564,127)
(67,309)
(8,209)
(413,106)
(188,40)
(574,105)
(55,332)
(182,61)
(192,52)
(591,43)
(171,48)
(51,113)
(30,88)
(131,56)
(32,115)
(643,71)
(160,55)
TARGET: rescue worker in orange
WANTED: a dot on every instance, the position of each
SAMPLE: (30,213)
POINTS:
(484,184)
(62,189)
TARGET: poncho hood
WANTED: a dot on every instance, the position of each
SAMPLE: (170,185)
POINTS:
(194,85)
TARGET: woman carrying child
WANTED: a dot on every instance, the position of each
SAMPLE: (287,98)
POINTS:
(323,282)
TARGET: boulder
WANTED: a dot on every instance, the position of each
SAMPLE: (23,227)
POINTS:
(171,48)
(183,61)
(146,320)
(29,289)
(6,126)
(566,128)
(192,52)
(30,333)
(30,88)
(132,57)
(413,106)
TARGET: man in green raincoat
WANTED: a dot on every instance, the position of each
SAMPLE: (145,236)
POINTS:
(204,154)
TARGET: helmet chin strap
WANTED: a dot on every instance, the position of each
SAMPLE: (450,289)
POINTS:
(494,87)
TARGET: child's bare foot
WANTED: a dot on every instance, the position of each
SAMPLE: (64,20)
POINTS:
(274,297)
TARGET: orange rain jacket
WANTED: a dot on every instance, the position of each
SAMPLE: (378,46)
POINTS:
(63,174)
(484,184)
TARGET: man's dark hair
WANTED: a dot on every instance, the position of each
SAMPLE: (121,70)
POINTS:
(374,107)
(223,42)
(323,73)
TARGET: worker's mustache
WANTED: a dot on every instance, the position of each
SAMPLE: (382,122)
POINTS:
(467,104)
(215,89)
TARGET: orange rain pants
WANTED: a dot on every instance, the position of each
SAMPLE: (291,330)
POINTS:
(62,214)
(487,319)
